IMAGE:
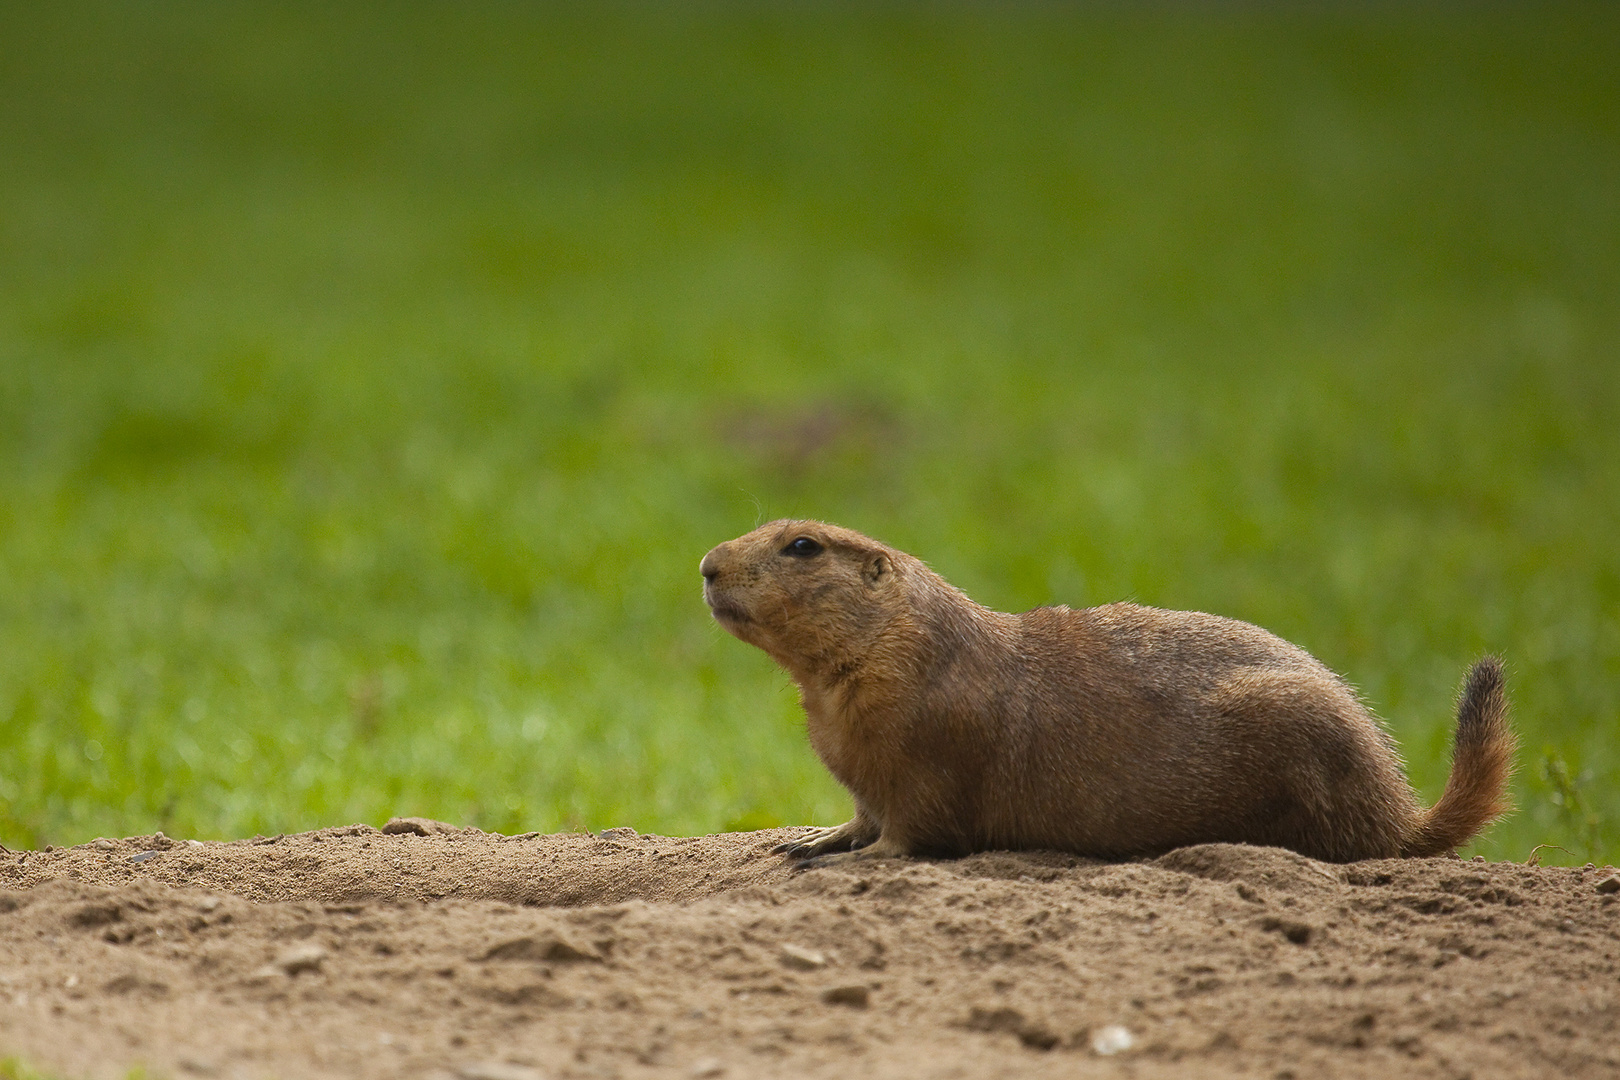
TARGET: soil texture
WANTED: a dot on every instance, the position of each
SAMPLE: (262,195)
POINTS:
(452,954)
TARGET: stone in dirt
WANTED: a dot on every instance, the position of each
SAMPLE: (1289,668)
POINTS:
(1112,1039)
(854,996)
(803,959)
(1031,1033)
(418,826)
(544,947)
(499,1070)
(301,958)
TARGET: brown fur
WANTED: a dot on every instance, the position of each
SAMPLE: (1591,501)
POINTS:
(1112,731)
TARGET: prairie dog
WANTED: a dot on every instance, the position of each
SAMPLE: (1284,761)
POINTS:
(1111,731)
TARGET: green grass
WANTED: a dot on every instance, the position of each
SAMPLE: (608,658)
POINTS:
(372,380)
(12,1068)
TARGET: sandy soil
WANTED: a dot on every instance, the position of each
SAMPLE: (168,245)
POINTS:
(436,952)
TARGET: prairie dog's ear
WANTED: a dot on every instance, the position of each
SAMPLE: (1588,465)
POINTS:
(877,568)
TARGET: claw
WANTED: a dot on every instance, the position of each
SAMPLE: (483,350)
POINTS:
(799,842)
(814,843)
(793,847)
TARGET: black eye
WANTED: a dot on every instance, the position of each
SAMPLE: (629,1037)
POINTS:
(802,548)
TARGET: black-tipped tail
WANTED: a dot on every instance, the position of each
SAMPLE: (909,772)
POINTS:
(1481,762)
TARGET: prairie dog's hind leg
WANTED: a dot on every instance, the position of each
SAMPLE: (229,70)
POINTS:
(857,832)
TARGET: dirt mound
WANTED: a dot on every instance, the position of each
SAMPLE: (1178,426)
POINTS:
(437,952)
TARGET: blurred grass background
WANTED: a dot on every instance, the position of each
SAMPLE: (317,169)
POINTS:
(372,378)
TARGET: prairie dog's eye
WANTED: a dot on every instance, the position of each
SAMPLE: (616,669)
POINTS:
(803,548)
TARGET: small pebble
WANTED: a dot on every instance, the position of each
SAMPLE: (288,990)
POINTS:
(546,948)
(855,997)
(499,1070)
(1113,1039)
(143,856)
(301,958)
(1609,884)
(417,826)
(795,956)
(705,1067)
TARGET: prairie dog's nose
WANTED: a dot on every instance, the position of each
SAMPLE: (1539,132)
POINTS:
(710,566)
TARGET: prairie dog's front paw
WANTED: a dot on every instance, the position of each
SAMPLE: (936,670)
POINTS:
(882,848)
(808,841)
(825,841)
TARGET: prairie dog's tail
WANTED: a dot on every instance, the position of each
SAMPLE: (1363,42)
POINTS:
(1481,760)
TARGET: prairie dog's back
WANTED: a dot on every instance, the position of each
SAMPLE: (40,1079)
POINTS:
(1186,718)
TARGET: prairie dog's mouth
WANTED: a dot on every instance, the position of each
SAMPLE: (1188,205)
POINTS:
(728,614)
(723,609)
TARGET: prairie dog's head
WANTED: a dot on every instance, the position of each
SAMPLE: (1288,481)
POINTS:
(812,595)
